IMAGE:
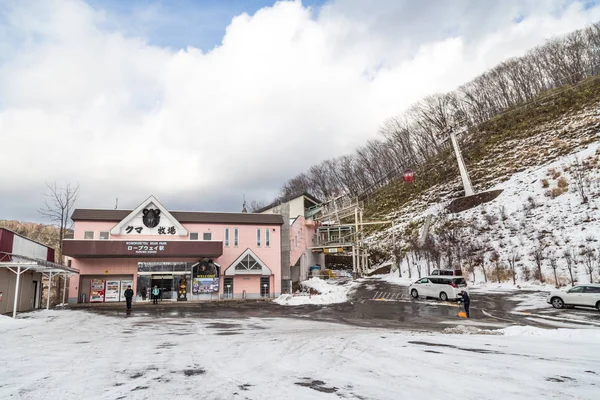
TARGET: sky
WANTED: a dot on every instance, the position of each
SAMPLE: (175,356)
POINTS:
(201,103)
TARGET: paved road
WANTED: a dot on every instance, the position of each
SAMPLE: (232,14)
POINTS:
(367,308)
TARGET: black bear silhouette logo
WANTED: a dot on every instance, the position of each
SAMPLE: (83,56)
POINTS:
(151,217)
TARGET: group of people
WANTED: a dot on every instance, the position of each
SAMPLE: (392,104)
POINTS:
(129,295)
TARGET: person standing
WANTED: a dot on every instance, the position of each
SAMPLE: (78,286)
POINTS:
(464,297)
(155,293)
(128,297)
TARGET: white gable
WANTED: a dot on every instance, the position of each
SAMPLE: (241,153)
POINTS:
(248,264)
(149,218)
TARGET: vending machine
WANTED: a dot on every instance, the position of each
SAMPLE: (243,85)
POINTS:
(96,291)
(124,285)
(113,289)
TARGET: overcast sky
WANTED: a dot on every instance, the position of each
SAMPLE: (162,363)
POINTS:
(201,102)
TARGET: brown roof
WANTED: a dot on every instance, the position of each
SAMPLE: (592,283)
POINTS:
(82,214)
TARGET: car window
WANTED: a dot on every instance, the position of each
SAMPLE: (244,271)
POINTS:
(576,289)
(436,272)
(435,280)
(592,289)
(424,280)
(447,273)
(458,272)
(459,281)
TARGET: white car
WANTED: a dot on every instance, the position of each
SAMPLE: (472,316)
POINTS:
(584,295)
(441,287)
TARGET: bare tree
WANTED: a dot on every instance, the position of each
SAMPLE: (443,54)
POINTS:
(538,255)
(256,205)
(568,256)
(58,205)
(554,265)
(513,258)
(580,179)
(589,261)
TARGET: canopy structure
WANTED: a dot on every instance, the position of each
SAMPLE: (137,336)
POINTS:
(19,264)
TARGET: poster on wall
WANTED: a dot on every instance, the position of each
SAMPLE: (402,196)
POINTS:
(205,285)
(124,285)
(96,291)
(111,292)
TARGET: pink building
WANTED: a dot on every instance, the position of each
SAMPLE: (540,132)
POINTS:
(188,255)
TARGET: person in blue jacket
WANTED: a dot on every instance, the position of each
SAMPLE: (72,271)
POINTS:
(464,298)
(155,294)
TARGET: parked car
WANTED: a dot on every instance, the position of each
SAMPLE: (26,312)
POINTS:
(584,295)
(446,272)
(440,287)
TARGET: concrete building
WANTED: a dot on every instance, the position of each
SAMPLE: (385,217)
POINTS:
(188,255)
(15,249)
(300,228)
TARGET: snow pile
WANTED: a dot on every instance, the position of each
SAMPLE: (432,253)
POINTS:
(505,287)
(591,335)
(330,293)
(394,278)
(470,330)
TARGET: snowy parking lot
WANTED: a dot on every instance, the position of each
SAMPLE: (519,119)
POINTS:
(79,354)
(348,344)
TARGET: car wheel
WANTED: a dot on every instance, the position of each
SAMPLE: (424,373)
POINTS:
(414,293)
(557,302)
(443,296)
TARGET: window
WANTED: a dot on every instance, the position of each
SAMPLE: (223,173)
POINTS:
(248,263)
(424,280)
(267,237)
(576,289)
(592,289)
(104,235)
(193,235)
(89,235)
(459,281)
(236,237)
(226,237)
(207,236)
(258,238)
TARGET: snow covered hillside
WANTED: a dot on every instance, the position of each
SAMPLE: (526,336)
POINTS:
(539,222)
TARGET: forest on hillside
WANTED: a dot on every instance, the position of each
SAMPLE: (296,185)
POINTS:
(413,138)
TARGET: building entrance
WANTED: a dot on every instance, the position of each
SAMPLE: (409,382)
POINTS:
(165,285)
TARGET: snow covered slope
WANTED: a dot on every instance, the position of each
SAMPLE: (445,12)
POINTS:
(540,208)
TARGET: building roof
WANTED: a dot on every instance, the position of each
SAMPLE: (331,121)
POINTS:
(280,201)
(86,214)
(25,237)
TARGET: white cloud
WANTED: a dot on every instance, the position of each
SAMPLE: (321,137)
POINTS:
(285,90)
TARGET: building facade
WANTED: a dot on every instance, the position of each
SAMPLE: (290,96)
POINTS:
(187,255)
(300,228)
(13,245)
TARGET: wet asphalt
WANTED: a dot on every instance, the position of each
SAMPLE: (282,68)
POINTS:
(372,304)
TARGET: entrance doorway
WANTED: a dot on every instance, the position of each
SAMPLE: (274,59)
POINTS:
(265,286)
(228,288)
(165,285)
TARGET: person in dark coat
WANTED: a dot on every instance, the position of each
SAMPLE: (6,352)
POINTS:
(464,297)
(128,297)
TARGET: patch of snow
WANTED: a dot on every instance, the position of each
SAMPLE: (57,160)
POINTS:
(394,278)
(470,330)
(330,293)
(591,335)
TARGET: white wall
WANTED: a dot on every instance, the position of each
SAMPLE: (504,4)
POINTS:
(25,247)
